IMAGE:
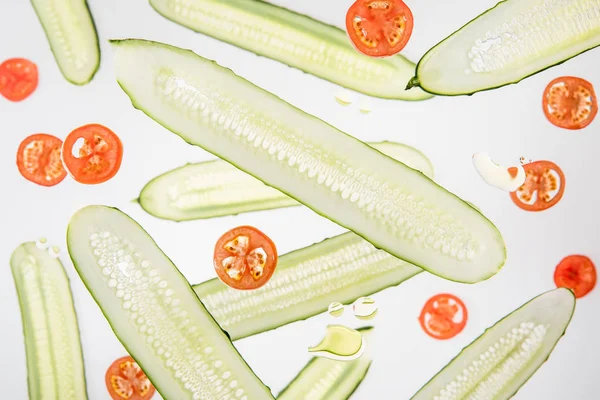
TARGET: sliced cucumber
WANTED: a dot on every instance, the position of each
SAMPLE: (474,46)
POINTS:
(500,361)
(296,40)
(71,32)
(507,43)
(342,268)
(52,346)
(216,188)
(326,379)
(388,203)
(154,311)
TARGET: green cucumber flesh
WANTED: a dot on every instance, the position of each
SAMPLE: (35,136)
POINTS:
(154,312)
(506,355)
(296,40)
(307,280)
(216,188)
(327,379)
(508,43)
(52,344)
(336,175)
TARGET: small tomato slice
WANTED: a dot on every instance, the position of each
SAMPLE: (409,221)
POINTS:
(576,272)
(245,258)
(18,78)
(38,159)
(570,102)
(543,188)
(99,157)
(126,380)
(379,28)
(443,316)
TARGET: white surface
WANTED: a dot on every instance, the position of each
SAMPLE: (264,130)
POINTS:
(508,123)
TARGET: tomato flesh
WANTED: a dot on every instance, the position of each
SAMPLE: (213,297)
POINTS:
(543,187)
(443,316)
(576,272)
(18,79)
(125,380)
(245,258)
(379,28)
(38,159)
(570,102)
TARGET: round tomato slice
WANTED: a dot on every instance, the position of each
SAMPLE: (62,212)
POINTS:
(570,102)
(543,188)
(443,316)
(379,28)
(18,79)
(126,380)
(576,272)
(38,159)
(99,157)
(245,258)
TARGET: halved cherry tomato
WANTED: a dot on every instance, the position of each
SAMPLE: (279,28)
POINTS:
(245,258)
(18,78)
(543,188)
(570,102)
(126,380)
(99,156)
(38,159)
(379,28)
(443,316)
(577,273)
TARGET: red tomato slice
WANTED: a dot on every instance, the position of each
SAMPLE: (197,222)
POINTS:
(99,157)
(38,159)
(443,316)
(543,187)
(18,79)
(245,258)
(577,273)
(379,28)
(126,380)
(570,102)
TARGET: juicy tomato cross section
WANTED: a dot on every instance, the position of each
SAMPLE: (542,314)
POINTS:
(38,159)
(543,187)
(576,272)
(443,316)
(18,78)
(570,102)
(125,380)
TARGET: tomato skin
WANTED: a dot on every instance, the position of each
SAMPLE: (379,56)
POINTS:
(576,272)
(440,324)
(127,373)
(44,166)
(570,102)
(539,181)
(18,79)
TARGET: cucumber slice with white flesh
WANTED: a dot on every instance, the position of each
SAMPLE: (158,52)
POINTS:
(55,367)
(71,32)
(154,312)
(343,179)
(327,379)
(508,43)
(500,361)
(342,268)
(296,40)
(216,188)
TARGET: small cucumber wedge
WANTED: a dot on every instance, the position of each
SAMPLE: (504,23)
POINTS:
(499,362)
(71,32)
(154,312)
(55,367)
(342,268)
(393,206)
(216,188)
(296,40)
(326,379)
(508,43)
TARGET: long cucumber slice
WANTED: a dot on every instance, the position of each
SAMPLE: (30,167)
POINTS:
(499,362)
(216,188)
(508,43)
(154,312)
(326,379)
(342,268)
(55,367)
(347,181)
(296,40)
(71,32)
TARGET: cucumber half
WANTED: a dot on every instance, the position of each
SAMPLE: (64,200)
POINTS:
(347,181)
(154,312)
(71,32)
(55,367)
(499,362)
(296,40)
(507,43)
(216,188)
